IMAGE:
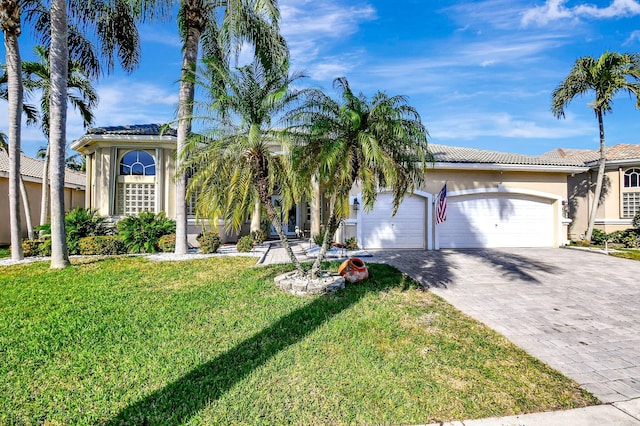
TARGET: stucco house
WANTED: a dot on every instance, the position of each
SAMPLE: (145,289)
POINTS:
(31,170)
(495,199)
(620,198)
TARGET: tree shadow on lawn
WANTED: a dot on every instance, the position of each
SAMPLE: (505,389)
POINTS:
(441,268)
(178,401)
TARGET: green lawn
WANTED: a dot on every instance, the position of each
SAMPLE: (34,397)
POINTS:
(129,341)
(633,254)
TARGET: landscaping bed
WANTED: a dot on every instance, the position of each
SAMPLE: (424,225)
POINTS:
(213,341)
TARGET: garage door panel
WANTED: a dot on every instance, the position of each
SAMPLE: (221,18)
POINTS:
(404,230)
(497,220)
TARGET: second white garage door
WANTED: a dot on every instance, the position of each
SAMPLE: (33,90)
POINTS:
(404,230)
(497,220)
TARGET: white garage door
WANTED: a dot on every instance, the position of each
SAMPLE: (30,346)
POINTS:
(497,220)
(404,230)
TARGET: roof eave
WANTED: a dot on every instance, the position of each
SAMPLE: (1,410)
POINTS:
(568,169)
(91,139)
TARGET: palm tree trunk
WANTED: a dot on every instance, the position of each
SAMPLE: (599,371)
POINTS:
(599,179)
(44,198)
(27,208)
(262,186)
(185,112)
(14,96)
(59,59)
(332,227)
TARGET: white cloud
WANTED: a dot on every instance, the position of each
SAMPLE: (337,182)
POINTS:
(633,37)
(472,125)
(313,28)
(554,10)
(125,101)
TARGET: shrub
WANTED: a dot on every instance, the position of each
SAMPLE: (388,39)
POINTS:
(81,223)
(259,236)
(141,232)
(209,242)
(317,239)
(636,221)
(40,247)
(245,244)
(167,243)
(598,237)
(102,245)
(630,240)
(351,243)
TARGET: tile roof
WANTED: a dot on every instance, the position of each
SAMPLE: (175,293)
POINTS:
(30,167)
(588,156)
(453,154)
(134,129)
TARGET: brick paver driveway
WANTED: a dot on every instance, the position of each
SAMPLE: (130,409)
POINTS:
(577,311)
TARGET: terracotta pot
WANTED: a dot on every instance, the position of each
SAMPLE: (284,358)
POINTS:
(353,270)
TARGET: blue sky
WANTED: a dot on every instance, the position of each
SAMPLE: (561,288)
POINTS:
(480,73)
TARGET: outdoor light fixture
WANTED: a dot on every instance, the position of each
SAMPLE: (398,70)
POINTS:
(356,204)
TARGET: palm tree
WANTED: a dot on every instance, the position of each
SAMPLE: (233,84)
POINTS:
(609,74)
(380,143)
(11,29)
(242,21)
(114,26)
(233,164)
(81,95)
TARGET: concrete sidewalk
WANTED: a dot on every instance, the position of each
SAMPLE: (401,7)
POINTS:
(529,269)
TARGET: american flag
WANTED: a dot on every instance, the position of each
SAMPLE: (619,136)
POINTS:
(441,205)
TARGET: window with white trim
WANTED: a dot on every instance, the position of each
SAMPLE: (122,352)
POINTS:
(136,185)
(631,194)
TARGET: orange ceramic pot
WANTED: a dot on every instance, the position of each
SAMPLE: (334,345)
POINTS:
(353,270)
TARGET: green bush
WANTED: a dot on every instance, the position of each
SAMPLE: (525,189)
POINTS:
(245,244)
(102,245)
(167,243)
(351,243)
(636,221)
(598,237)
(317,239)
(142,232)
(40,247)
(209,242)
(80,223)
(259,236)
(630,240)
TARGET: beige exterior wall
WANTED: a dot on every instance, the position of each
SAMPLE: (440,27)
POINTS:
(72,198)
(548,185)
(609,217)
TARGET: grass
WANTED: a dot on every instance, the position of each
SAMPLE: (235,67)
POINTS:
(129,341)
(632,254)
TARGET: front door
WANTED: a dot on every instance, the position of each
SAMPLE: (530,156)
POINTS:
(288,225)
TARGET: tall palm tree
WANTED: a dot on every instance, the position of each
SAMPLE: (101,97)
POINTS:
(252,21)
(608,75)
(81,95)
(380,143)
(11,29)
(36,13)
(234,163)
(113,24)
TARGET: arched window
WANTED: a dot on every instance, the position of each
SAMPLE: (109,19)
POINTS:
(632,178)
(136,184)
(137,163)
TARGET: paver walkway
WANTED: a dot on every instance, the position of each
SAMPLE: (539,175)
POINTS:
(577,311)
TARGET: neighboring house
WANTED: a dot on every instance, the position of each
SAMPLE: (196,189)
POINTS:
(494,199)
(31,170)
(620,198)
